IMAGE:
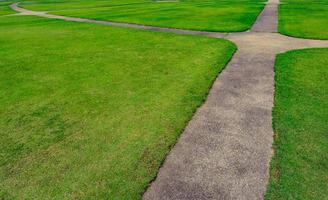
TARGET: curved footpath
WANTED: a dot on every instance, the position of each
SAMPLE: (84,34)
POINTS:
(225,150)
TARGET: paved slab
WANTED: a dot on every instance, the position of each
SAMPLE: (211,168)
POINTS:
(225,150)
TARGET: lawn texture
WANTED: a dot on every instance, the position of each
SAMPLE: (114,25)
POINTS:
(299,167)
(208,15)
(5,9)
(91,111)
(304,18)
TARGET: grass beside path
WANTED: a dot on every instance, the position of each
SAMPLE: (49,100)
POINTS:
(90,111)
(299,167)
(5,9)
(208,15)
(304,18)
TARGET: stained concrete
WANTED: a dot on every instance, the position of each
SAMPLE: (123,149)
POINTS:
(225,150)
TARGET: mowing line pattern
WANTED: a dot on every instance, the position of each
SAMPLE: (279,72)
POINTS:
(225,150)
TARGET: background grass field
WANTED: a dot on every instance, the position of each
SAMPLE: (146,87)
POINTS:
(5,9)
(304,18)
(209,15)
(299,167)
(90,111)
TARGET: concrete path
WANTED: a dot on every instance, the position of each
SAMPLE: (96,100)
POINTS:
(225,150)
(267,21)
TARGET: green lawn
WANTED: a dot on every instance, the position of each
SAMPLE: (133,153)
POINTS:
(299,169)
(90,111)
(210,15)
(5,9)
(304,18)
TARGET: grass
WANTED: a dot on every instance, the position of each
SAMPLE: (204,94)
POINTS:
(208,15)
(90,111)
(4,8)
(299,169)
(304,18)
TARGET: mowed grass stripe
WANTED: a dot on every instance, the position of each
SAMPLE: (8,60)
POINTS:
(4,8)
(300,165)
(90,111)
(305,19)
(210,15)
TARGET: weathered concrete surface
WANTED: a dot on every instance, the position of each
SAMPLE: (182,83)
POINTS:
(267,21)
(225,150)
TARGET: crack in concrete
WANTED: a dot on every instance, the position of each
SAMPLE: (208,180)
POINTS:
(225,150)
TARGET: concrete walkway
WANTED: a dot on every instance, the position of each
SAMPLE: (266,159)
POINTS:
(225,150)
